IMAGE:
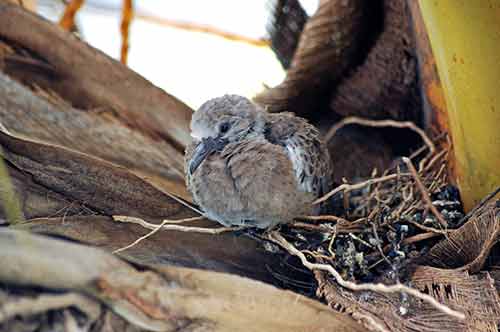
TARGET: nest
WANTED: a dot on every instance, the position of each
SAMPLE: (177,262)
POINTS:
(386,229)
(383,226)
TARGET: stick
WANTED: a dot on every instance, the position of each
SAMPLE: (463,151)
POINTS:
(127,13)
(68,19)
(179,228)
(420,237)
(324,218)
(185,25)
(429,229)
(381,123)
(141,238)
(349,187)
(423,191)
(171,226)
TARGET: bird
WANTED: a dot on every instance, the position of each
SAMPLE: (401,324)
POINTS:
(248,167)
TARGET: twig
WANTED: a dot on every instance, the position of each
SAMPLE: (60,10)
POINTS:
(433,160)
(181,221)
(397,288)
(349,187)
(181,201)
(127,13)
(142,237)
(354,237)
(420,237)
(428,229)
(311,227)
(68,19)
(330,243)
(377,238)
(317,255)
(479,205)
(377,262)
(341,228)
(423,191)
(168,225)
(179,228)
(381,123)
(188,26)
(436,177)
(324,218)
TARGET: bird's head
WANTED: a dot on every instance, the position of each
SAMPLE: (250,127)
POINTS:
(230,117)
(221,121)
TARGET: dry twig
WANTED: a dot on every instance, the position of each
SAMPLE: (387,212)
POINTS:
(68,19)
(196,27)
(142,237)
(188,26)
(421,237)
(127,13)
(349,187)
(327,218)
(425,194)
(428,229)
(170,225)
(381,123)
(379,287)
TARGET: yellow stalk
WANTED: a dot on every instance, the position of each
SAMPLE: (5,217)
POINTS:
(465,40)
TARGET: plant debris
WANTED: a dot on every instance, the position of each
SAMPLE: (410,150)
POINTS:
(390,226)
(386,224)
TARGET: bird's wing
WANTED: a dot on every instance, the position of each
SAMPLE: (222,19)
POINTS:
(308,154)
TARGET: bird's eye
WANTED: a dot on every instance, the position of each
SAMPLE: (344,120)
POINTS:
(224,127)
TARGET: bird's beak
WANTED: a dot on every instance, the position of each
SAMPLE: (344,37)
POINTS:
(206,147)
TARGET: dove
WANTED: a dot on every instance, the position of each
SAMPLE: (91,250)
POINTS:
(247,167)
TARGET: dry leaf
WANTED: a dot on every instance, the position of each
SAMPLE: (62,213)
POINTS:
(36,115)
(224,252)
(468,247)
(101,186)
(88,79)
(476,296)
(167,299)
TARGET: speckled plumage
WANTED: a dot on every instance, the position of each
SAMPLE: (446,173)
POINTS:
(249,167)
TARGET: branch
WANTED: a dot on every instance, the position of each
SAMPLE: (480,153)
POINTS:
(425,194)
